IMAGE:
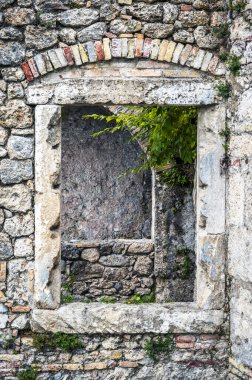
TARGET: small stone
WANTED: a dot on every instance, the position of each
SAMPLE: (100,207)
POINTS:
(5,3)
(171,13)
(114,261)
(13,74)
(3,152)
(20,309)
(27,71)
(15,114)
(23,247)
(3,271)
(119,26)
(15,198)
(95,365)
(190,19)
(20,225)
(15,90)
(78,17)
(3,320)
(91,254)
(5,247)
(11,53)
(40,38)
(15,171)
(128,364)
(143,247)
(68,36)
(157,30)
(20,323)
(143,265)
(19,16)
(183,36)
(92,32)
(10,33)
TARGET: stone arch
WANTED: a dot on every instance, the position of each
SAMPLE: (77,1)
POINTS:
(123,47)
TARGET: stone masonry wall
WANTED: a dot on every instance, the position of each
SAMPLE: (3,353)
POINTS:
(31,27)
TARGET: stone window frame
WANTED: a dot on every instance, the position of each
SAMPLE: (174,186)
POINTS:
(207,310)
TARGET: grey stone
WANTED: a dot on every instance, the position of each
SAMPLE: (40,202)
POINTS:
(12,74)
(171,12)
(78,17)
(68,36)
(148,13)
(1,217)
(193,18)
(40,37)
(95,32)
(5,3)
(183,36)
(15,198)
(15,114)
(3,152)
(20,225)
(50,5)
(109,12)
(15,171)
(15,90)
(144,266)
(21,322)
(205,39)
(119,26)
(23,247)
(17,16)
(6,250)
(11,53)
(114,261)
(3,320)
(91,254)
(19,281)
(140,247)
(10,33)
(157,30)
(20,147)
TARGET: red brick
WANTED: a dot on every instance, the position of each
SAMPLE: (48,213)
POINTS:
(147,47)
(209,337)
(128,364)
(185,339)
(27,71)
(213,64)
(185,345)
(99,50)
(33,68)
(110,35)
(186,7)
(68,56)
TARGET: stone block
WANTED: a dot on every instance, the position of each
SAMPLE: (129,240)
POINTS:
(23,247)
(6,250)
(15,114)
(16,198)
(20,147)
(15,171)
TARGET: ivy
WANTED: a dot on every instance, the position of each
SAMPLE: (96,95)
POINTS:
(168,133)
(155,347)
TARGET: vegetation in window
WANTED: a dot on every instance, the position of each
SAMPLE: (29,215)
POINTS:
(169,134)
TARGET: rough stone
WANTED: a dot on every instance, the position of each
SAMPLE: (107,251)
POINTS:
(205,39)
(21,322)
(5,247)
(119,26)
(20,225)
(15,171)
(12,74)
(11,53)
(5,3)
(40,37)
(17,16)
(68,36)
(148,13)
(144,266)
(78,17)
(20,147)
(10,33)
(15,114)
(171,13)
(15,198)
(23,247)
(91,254)
(157,30)
(95,32)
(114,260)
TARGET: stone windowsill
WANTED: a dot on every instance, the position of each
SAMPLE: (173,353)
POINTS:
(98,318)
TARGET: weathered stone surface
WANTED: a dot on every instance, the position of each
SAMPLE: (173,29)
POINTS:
(20,225)
(171,12)
(15,198)
(23,247)
(11,53)
(10,33)
(19,16)
(3,320)
(157,30)
(114,261)
(40,37)
(15,114)
(21,322)
(205,39)
(3,135)
(148,13)
(15,90)
(5,3)
(68,36)
(15,171)
(119,26)
(193,18)
(155,91)
(144,266)
(12,74)
(78,17)
(95,32)
(100,318)
(20,147)
(5,247)
(19,281)
(91,254)
(109,12)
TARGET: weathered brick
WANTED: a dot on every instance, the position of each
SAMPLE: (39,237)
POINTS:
(185,339)
(95,365)
(139,47)
(116,49)
(106,49)
(184,345)
(169,52)
(128,364)
(68,56)
(155,49)
(27,71)
(21,309)
(147,47)
(162,50)
(2,271)
(99,50)
(83,54)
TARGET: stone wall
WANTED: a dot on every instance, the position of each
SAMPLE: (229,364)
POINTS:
(31,28)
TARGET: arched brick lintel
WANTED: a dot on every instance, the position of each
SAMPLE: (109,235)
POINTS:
(125,47)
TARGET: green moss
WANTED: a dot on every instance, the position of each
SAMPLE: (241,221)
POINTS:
(139,299)
(237,6)
(183,251)
(28,374)
(221,31)
(155,347)
(66,342)
(108,300)
(223,90)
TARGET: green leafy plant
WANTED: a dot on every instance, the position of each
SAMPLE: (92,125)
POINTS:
(66,342)
(184,265)
(238,5)
(183,251)
(182,176)
(139,299)
(28,374)
(8,343)
(232,61)
(155,347)
(67,297)
(108,300)
(223,90)
(226,133)
(169,134)
(221,31)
